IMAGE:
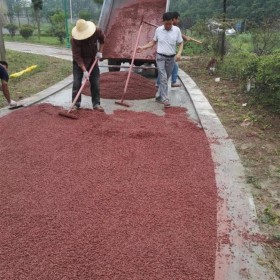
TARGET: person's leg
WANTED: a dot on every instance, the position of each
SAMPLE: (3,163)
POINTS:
(95,88)
(157,82)
(163,87)
(77,81)
(169,64)
(175,74)
(165,67)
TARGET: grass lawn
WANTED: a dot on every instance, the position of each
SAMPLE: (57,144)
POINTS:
(49,71)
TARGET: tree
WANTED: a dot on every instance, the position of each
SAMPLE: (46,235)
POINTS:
(57,21)
(254,10)
(223,39)
(10,10)
(37,7)
(17,9)
(3,11)
(26,8)
(98,1)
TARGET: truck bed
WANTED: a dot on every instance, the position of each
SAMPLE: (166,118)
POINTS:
(120,20)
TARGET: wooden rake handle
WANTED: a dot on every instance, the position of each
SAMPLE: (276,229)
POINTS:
(132,61)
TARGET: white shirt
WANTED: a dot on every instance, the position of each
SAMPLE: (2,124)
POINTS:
(167,40)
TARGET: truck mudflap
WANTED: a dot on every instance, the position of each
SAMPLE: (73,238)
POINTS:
(120,20)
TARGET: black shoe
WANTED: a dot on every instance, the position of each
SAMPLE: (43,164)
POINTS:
(158,99)
(77,106)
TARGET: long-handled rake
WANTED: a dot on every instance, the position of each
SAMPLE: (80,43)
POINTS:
(68,114)
(130,68)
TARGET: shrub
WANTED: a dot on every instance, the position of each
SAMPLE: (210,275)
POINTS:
(60,34)
(26,31)
(12,28)
(58,25)
(267,81)
(266,38)
(236,65)
(84,14)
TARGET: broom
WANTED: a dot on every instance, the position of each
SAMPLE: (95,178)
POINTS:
(68,114)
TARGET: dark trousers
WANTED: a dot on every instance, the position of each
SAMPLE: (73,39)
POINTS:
(94,83)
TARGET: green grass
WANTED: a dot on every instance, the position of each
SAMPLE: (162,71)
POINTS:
(241,42)
(44,40)
(49,71)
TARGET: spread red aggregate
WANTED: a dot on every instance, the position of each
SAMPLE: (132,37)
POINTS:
(112,86)
(123,196)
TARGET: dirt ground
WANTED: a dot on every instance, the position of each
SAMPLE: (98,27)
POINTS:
(256,134)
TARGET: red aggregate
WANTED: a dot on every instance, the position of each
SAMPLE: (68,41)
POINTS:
(125,196)
(112,86)
(123,26)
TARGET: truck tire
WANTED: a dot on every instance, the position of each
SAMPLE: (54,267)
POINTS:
(114,62)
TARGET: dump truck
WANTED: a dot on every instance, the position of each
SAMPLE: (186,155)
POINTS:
(120,20)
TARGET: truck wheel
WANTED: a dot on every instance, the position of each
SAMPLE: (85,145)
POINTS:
(114,62)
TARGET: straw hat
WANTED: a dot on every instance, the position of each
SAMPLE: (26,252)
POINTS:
(83,29)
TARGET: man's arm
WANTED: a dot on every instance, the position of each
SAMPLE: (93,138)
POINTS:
(6,91)
(147,46)
(101,46)
(180,49)
(101,40)
(186,38)
(76,53)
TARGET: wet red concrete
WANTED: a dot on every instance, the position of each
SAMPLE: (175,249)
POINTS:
(112,86)
(123,196)
(123,26)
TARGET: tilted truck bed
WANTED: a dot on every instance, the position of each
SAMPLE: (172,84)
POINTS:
(120,20)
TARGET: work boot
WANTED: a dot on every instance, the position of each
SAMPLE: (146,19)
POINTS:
(166,103)
(98,107)
(176,85)
(158,99)
(12,103)
(77,106)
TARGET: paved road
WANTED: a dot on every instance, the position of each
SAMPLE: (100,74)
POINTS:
(238,257)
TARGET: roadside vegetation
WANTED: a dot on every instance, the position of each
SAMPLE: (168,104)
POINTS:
(246,98)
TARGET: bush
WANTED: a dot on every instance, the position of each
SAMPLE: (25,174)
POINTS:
(267,81)
(60,34)
(236,65)
(84,14)
(12,28)
(26,31)
(266,38)
(58,25)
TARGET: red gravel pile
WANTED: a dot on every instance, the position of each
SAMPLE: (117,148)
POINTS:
(123,196)
(112,86)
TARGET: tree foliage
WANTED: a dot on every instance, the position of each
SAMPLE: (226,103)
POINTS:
(254,10)
(38,6)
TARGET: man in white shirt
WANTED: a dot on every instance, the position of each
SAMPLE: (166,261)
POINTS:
(166,37)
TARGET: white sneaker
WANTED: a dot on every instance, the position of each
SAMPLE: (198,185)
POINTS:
(13,103)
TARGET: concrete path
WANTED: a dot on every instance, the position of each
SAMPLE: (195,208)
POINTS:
(236,259)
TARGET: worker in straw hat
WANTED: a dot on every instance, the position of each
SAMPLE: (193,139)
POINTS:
(87,43)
